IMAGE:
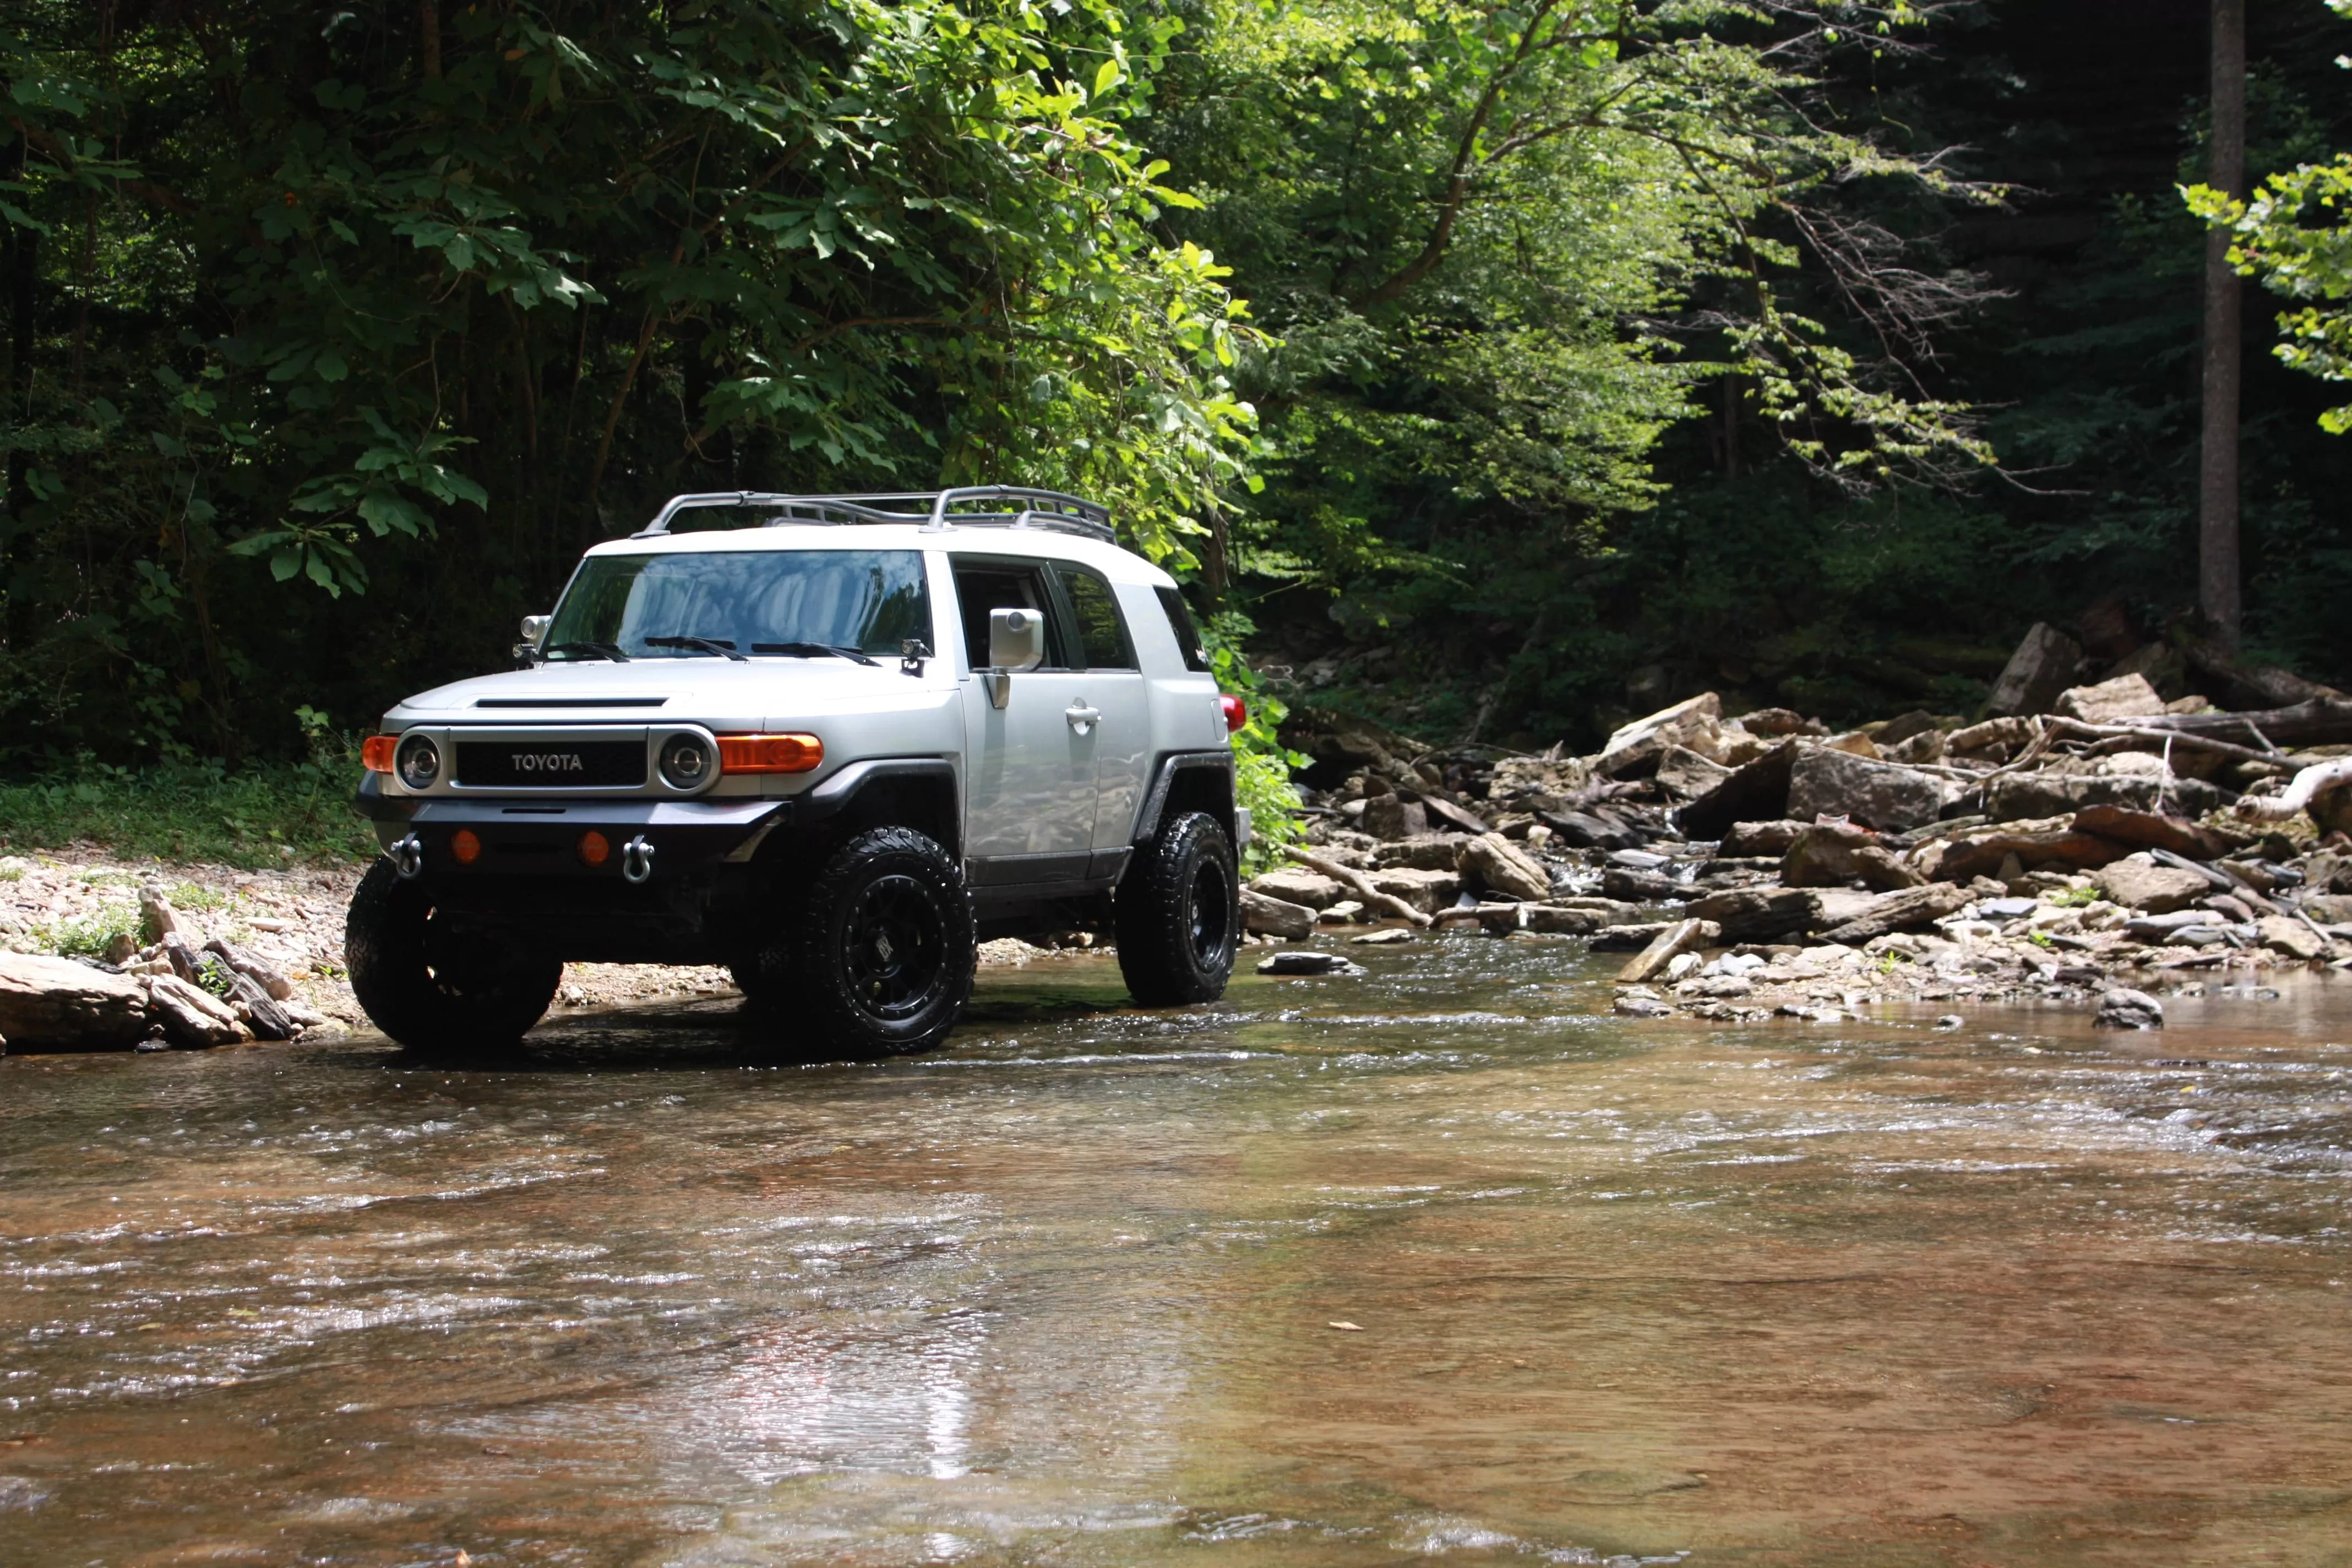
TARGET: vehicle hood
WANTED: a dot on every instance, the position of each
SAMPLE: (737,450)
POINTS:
(716,692)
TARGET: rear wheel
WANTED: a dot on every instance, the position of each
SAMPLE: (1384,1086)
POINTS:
(431,988)
(875,952)
(1177,915)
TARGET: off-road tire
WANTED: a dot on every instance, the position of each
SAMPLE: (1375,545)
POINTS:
(874,954)
(484,1004)
(1179,914)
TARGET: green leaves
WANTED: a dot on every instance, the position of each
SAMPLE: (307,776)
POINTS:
(2296,236)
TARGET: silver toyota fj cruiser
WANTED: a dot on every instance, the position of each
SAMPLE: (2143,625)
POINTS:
(833,750)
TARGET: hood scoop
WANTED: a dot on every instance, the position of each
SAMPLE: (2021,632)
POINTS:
(571,701)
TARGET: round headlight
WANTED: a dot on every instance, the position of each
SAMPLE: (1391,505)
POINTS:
(418,761)
(685,761)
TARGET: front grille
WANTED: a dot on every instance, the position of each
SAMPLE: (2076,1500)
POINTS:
(550,764)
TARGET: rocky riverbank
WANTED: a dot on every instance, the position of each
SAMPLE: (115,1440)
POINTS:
(2107,845)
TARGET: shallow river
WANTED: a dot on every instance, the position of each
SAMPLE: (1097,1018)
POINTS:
(1444,1262)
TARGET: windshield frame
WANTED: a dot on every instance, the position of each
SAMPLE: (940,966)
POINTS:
(924,608)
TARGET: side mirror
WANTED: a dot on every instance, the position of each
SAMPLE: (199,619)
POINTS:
(1017,641)
(534,627)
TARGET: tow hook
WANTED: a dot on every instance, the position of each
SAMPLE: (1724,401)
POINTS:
(407,855)
(636,860)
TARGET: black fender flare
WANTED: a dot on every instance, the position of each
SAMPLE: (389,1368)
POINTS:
(1164,781)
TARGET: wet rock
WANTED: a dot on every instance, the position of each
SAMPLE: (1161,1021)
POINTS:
(1634,1006)
(1884,795)
(1427,891)
(1682,936)
(2042,667)
(2290,937)
(190,1015)
(2158,889)
(1908,910)
(1268,916)
(51,1003)
(2116,701)
(1629,938)
(1683,774)
(1387,937)
(2122,1008)
(1301,963)
(1297,885)
(1344,912)
(1640,886)
(1758,914)
(1950,1021)
(1492,861)
(1637,747)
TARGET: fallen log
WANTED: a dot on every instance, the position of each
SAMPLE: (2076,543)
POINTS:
(2320,721)
(2300,793)
(1357,883)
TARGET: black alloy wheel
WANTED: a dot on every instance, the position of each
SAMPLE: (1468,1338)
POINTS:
(1178,916)
(895,947)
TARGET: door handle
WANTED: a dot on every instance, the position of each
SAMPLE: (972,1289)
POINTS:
(1081,717)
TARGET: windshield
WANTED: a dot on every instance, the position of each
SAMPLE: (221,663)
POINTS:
(759,602)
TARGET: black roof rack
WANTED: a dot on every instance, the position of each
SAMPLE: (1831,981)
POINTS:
(1016,506)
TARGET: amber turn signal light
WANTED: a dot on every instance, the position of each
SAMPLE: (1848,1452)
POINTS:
(1236,711)
(375,752)
(769,754)
(465,848)
(594,849)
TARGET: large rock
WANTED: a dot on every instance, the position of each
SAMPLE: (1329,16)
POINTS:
(1884,795)
(2149,830)
(1274,917)
(1427,891)
(54,1003)
(1749,839)
(1832,855)
(2041,667)
(1393,817)
(1636,748)
(2047,844)
(1683,774)
(2159,890)
(1905,911)
(1758,914)
(2290,937)
(2049,792)
(1297,885)
(1682,936)
(2125,697)
(1756,792)
(1430,852)
(1501,866)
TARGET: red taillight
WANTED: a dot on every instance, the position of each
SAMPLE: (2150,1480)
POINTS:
(375,752)
(1236,711)
(465,848)
(769,754)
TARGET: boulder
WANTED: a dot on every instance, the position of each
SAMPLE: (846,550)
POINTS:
(1682,936)
(2046,845)
(2151,830)
(1832,855)
(1271,916)
(1430,852)
(1393,817)
(1994,737)
(2290,937)
(1905,911)
(2042,667)
(1749,839)
(1756,792)
(1683,774)
(1884,795)
(1427,891)
(54,1003)
(2157,889)
(2122,1008)
(191,1015)
(1297,885)
(1636,748)
(2126,697)
(1631,886)
(1759,914)
(1494,862)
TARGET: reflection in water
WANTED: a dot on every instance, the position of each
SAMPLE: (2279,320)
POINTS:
(1070,1291)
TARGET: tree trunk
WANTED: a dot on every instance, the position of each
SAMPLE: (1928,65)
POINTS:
(2217,487)
(24,308)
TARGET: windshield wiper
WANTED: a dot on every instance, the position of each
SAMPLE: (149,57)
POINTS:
(704,644)
(810,650)
(601,650)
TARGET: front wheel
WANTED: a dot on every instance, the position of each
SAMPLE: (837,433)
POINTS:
(875,955)
(1177,915)
(432,989)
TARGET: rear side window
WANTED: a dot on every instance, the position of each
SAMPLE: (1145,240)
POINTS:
(1179,621)
(1102,636)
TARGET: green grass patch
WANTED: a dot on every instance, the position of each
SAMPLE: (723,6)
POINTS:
(89,935)
(259,817)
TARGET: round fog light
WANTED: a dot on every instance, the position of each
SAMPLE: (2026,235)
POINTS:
(594,849)
(463,846)
(685,762)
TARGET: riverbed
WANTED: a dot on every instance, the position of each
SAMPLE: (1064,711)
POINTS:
(1442,1262)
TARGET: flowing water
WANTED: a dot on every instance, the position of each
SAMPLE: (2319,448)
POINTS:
(1444,1262)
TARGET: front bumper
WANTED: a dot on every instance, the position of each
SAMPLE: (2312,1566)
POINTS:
(541,839)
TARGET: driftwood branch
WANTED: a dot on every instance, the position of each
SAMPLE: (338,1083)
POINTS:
(1357,883)
(2299,794)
